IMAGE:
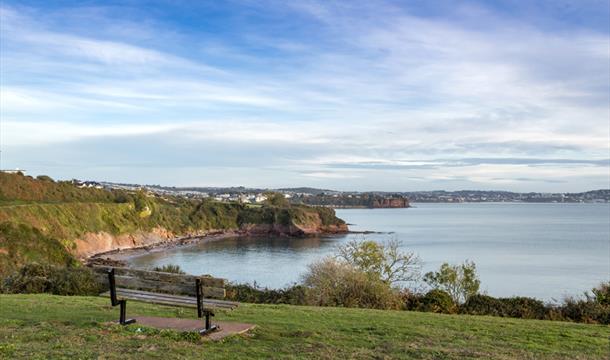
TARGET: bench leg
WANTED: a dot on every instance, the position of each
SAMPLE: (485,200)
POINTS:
(122,320)
(208,324)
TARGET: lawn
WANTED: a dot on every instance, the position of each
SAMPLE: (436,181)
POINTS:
(47,326)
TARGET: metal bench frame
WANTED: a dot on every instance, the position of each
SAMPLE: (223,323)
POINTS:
(114,301)
(202,311)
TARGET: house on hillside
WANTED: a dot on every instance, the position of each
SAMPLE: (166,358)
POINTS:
(16,171)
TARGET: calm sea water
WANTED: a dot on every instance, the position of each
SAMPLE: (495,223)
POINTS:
(546,251)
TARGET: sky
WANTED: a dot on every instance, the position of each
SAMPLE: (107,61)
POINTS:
(347,95)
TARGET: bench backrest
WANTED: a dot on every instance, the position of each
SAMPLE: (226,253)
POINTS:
(161,282)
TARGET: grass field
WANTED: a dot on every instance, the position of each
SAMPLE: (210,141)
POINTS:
(46,326)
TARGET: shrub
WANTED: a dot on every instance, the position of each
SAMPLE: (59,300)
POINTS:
(169,268)
(411,300)
(483,305)
(293,295)
(523,307)
(517,307)
(333,283)
(587,311)
(460,281)
(437,301)
(601,294)
(37,278)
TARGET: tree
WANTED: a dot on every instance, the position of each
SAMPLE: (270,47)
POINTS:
(383,261)
(460,281)
(276,199)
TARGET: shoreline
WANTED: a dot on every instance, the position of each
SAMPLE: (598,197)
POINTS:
(122,256)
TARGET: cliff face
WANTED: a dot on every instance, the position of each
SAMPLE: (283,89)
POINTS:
(302,223)
(91,244)
(94,243)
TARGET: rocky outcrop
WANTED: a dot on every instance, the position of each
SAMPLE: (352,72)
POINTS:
(390,203)
(311,226)
(291,230)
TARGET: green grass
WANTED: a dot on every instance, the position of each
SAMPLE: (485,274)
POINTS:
(46,326)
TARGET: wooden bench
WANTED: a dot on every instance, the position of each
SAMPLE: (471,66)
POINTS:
(204,293)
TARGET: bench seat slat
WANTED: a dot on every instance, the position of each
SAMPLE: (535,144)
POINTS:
(167,299)
(177,297)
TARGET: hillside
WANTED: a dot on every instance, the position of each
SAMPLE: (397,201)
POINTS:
(40,215)
(46,326)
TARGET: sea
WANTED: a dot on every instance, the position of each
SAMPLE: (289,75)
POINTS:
(544,250)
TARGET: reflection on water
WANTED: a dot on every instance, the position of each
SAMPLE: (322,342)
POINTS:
(265,260)
(541,250)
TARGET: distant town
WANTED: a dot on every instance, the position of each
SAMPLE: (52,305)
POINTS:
(333,198)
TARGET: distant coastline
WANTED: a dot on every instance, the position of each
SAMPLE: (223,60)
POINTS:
(364,199)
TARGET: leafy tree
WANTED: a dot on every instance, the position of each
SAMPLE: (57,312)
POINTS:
(460,281)
(383,261)
(276,199)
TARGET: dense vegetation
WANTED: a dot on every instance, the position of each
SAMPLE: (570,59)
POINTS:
(21,244)
(362,200)
(48,326)
(40,218)
(357,292)
(36,278)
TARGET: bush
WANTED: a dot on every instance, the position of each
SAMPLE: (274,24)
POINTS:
(36,278)
(411,300)
(294,295)
(483,305)
(169,268)
(524,308)
(601,294)
(517,307)
(587,311)
(437,301)
(333,283)
(459,281)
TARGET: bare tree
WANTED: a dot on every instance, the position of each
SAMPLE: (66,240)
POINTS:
(384,261)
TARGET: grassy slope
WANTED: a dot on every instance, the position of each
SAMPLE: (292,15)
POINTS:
(43,326)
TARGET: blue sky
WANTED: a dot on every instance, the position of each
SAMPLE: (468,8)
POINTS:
(371,95)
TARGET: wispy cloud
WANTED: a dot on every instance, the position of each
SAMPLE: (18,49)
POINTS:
(354,94)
